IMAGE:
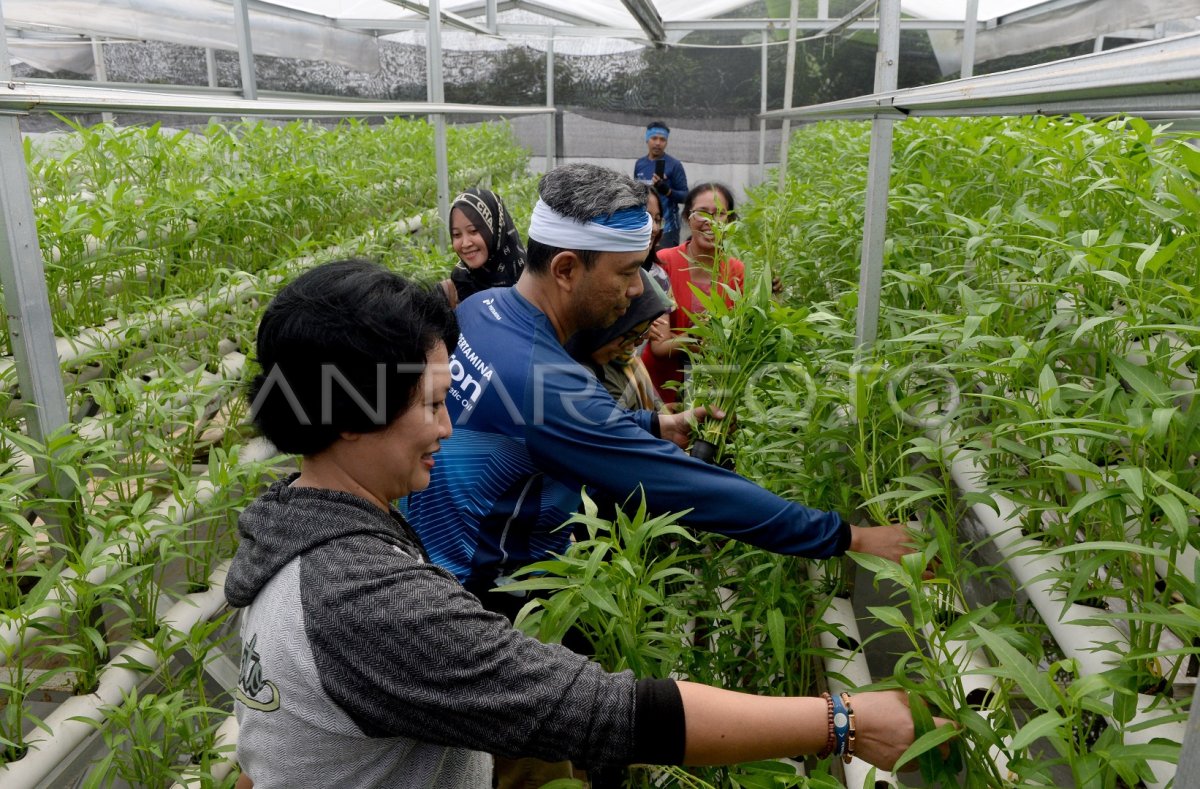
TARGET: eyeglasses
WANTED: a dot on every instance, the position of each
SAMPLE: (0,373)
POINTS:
(707,216)
(635,334)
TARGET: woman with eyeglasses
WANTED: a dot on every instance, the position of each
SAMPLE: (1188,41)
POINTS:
(610,352)
(693,262)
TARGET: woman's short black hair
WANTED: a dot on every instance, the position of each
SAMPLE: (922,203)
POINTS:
(342,349)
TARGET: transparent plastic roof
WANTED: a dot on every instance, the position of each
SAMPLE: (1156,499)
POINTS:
(341,31)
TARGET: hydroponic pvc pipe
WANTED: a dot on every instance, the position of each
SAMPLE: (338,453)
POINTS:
(68,722)
(121,331)
(847,671)
(256,450)
(1034,572)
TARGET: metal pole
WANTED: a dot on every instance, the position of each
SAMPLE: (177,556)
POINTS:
(23,277)
(762,122)
(789,81)
(491,16)
(551,153)
(822,9)
(1187,775)
(241,26)
(101,71)
(210,65)
(437,94)
(878,172)
(968,45)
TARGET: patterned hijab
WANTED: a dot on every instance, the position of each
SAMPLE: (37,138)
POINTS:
(506,254)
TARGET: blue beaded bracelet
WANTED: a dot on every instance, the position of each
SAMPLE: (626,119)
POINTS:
(841,725)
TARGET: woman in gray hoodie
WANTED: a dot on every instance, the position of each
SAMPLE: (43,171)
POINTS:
(363,665)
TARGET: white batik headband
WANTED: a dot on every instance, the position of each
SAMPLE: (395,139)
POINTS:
(628,230)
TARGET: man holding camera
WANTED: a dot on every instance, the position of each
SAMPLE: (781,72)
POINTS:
(665,175)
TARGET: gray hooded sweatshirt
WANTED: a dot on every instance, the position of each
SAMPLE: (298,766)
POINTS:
(365,666)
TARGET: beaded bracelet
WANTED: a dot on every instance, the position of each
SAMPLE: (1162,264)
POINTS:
(841,724)
(848,751)
(831,740)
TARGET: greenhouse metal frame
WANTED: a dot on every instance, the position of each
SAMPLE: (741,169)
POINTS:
(1158,79)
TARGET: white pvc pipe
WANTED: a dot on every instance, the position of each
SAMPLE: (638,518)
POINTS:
(119,331)
(68,722)
(256,450)
(95,428)
(847,671)
(1034,572)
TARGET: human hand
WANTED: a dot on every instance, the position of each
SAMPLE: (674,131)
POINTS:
(776,286)
(677,428)
(660,329)
(661,185)
(891,542)
(884,728)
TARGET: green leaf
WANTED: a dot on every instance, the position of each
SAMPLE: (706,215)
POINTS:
(1092,497)
(1091,323)
(776,630)
(1143,382)
(1110,545)
(1132,477)
(889,615)
(1176,514)
(1147,254)
(1112,276)
(1041,726)
(1012,664)
(926,743)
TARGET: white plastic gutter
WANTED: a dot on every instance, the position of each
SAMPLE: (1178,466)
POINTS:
(1034,571)
(69,721)
(257,450)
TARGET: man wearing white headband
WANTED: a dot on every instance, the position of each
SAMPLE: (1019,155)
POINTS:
(532,427)
(664,174)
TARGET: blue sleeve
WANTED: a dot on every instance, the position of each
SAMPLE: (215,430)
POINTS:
(679,187)
(584,438)
(646,420)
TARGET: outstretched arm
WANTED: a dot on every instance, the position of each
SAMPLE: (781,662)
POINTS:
(726,727)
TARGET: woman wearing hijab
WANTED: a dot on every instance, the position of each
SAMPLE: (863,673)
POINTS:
(489,248)
(610,352)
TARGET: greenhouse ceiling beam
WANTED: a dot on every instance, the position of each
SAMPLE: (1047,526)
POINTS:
(648,19)
(449,19)
(264,7)
(773,23)
(849,19)
(585,28)
(553,11)
(1035,11)
(1158,75)
(23,97)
